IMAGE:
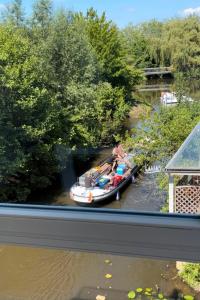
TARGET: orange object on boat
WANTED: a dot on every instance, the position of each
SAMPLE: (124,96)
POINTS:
(90,197)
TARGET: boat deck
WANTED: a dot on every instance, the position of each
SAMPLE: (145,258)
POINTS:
(100,183)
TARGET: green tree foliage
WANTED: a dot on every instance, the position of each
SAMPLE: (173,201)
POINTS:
(98,113)
(14,13)
(111,52)
(67,53)
(53,99)
(163,132)
(138,47)
(181,43)
(153,33)
(25,106)
(175,43)
(144,43)
(41,19)
(42,13)
(190,273)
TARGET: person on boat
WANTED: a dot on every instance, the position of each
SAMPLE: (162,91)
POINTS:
(120,156)
(118,151)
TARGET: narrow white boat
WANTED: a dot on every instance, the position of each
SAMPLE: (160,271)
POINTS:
(100,183)
(168,98)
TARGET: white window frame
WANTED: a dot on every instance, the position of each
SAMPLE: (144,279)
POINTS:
(120,232)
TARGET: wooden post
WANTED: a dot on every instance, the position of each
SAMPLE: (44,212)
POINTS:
(171,194)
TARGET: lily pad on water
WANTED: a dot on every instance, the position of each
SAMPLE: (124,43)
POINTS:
(188,297)
(139,290)
(100,297)
(149,290)
(131,295)
(107,261)
(108,276)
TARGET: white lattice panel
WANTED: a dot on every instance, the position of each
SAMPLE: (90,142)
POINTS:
(187,199)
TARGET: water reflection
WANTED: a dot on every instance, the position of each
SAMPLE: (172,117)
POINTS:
(42,274)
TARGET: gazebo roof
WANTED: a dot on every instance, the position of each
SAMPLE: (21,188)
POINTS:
(187,159)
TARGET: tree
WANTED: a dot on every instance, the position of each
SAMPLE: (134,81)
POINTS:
(73,69)
(106,40)
(14,13)
(58,93)
(138,47)
(67,53)
(28,111)
(181,43)
(163,132)
(175,42)
(42,17)
(153,31)
(144,43)
(51,103)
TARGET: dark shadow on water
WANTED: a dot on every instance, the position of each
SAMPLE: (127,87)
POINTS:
(75,167)
(175,294)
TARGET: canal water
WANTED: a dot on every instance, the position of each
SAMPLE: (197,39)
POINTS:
(28,273)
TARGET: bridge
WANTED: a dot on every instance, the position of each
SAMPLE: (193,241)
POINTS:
(154,87)
(158,71)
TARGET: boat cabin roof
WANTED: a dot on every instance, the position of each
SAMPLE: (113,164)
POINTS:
(187,159)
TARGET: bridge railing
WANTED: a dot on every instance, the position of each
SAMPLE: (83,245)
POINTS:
(159,69)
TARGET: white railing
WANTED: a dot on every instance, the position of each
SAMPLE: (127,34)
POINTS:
(157,70)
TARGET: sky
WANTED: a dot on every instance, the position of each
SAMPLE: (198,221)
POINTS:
(123,12)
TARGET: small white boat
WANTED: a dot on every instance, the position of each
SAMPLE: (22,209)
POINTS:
(168,98)
(100,183)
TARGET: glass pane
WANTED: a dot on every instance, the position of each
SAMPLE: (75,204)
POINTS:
(28,273)
(93,106)
(187,158)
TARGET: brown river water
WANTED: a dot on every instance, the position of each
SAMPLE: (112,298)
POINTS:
(30,273)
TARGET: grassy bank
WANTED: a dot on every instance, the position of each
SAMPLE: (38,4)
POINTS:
(190,273)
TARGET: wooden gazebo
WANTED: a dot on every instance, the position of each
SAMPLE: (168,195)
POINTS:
(184,176)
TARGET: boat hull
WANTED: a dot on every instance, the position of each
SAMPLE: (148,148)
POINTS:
(83,200)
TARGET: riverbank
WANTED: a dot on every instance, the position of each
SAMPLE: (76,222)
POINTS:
(189,273)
